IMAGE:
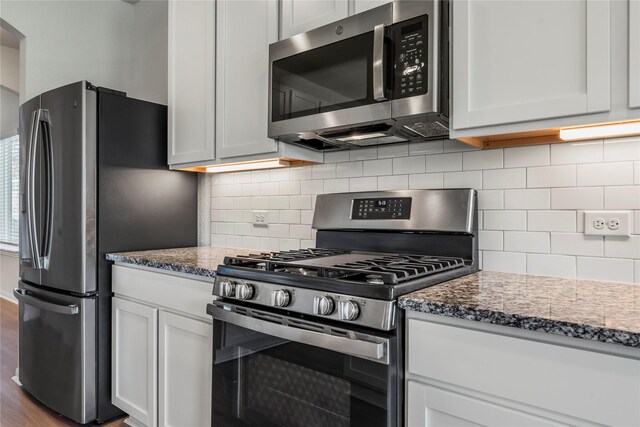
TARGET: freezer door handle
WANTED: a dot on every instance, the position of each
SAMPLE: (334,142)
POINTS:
(25,297)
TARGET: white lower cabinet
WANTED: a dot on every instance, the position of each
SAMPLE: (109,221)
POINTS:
(134,382)
(162,348)
(185,364)
(458,376)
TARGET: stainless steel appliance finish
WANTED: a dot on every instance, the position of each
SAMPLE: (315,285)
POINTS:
(390,86)
(90,159)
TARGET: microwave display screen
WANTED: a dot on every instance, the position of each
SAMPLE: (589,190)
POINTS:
(328,78)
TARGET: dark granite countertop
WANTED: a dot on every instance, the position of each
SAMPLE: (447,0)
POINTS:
(201,261)
(599,311)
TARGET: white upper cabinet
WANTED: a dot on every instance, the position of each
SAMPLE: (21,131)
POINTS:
(191,90)
(516,61)
(299,16)
(244,31)
(362,5)
(634,53)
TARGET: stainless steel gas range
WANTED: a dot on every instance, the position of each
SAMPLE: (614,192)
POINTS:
(313,337)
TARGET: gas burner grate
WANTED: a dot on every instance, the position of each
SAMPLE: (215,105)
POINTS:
(383,270)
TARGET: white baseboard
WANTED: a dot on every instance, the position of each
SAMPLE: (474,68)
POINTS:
(9,297)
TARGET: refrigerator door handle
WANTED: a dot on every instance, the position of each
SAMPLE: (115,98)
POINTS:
(31,189)
(48,149)
(23,296)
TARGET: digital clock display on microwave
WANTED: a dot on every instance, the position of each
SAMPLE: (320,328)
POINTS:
(387,208)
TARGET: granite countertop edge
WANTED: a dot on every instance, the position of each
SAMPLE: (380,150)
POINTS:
(529,323)
(175,267)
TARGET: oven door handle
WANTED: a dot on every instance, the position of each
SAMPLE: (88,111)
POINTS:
(374,348)
(378,63)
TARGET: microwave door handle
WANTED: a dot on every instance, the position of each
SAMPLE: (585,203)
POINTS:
(378,63)
(31,190)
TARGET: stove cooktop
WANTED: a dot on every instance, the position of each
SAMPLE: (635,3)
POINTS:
(373,274)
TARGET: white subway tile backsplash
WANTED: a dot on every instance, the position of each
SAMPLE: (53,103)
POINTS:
(577,198)
(551,265)
(622,149)
(622,197)
(613,269)
(444,162)
(482,159)
(369,183)
(377,167)
(504,178)
(530,199)
(336,185)
(576,244)
(490,240)
(426,180)
(535,155)
(570,153)
(467,179)
(428,147)
(490,199)
(509,262)
(406,165)
(551,221)
(551,176)
(349,169)
(616,173)
(300,202)
(393,150)
(527,199)
(505,220)
(622,247)
(394,182)
(363,154)
(323,171)
(526,241)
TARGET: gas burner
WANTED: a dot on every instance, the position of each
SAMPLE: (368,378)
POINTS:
(374,279)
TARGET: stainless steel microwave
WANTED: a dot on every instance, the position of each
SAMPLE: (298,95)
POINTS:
(377,77)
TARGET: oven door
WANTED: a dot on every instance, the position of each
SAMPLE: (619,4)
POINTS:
(274,370)
(332,76)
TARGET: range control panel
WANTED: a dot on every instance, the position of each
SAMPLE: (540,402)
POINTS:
(411,57)
(387,208)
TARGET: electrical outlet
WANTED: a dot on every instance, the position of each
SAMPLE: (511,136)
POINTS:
(607,223)
(261,218)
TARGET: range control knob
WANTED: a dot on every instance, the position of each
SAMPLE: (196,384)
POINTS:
(227,289)
(349,310)
(322,306)
(244,291)
(280,298)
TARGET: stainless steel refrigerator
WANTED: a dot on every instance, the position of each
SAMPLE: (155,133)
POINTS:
(93,180)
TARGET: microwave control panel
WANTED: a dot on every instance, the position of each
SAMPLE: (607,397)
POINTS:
(388,208)
(411,55)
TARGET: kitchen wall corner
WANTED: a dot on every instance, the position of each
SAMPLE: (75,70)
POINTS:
(204,210)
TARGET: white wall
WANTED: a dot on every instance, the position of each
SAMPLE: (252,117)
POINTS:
(8,112)
(8,274)
(10,68)
(108,42)
(531,200)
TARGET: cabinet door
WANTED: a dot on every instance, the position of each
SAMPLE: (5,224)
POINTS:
(437,407)
(299,16)
(634,53)
(362,5)
(244,31)
(185,371)
(134,382)
(528,60)
(191,81)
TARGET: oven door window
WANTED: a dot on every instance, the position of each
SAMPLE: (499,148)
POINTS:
(261,380)
(328,78)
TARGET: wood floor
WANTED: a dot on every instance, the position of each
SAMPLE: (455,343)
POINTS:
(17,408)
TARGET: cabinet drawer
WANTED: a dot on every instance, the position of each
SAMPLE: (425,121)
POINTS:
(184,295)
(588,385)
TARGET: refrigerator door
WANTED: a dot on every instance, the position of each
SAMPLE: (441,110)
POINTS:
(57,350)
(68,198)
(29,191)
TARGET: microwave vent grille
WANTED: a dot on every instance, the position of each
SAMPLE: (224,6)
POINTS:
(428,129)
